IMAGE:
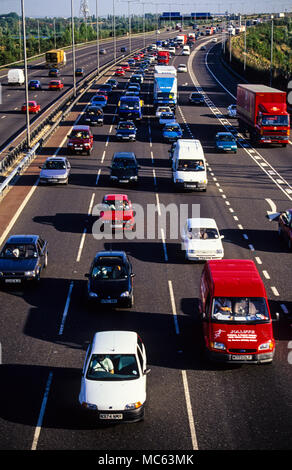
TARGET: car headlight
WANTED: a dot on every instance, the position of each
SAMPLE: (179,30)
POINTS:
(133,406)
(93,295)
(178,180)
(125,294)
(132,135)
(215,345)
(29,273)
(88,406)
(133,177)
(268,345)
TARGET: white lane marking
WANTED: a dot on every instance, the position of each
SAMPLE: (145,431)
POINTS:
(97,177)
(164,244)
(275,291)
(272,206)
(266,274)
(84,231)
(42,412)
(66,308)
(103,155)
(173,307)
(258,260)
(190,411)
(284,308)
(158,203)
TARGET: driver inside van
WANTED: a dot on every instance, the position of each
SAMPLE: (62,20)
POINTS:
(222,308)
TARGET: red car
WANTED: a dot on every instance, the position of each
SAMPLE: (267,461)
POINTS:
(141,54)
(120,71)
(56,85)
(119,215)
(137,57)
(126,67)
(33,107)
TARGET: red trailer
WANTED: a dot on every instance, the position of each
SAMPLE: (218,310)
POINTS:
(262,111)
(163,57)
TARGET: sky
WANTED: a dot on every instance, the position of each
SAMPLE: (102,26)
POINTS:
(62,8)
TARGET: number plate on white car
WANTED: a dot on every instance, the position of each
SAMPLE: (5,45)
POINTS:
(13,281)
(111,416)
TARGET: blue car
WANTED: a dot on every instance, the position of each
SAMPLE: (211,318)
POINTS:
(131,62)
(225,142)
(172,131)
(34,85)
(126,130)
(98,100)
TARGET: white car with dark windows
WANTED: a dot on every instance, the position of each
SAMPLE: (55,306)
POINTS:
(201,239)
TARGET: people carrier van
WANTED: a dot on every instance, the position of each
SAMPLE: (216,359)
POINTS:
(189,165)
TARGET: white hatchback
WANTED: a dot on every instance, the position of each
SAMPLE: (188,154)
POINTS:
(113,384)
(201,239)
(182,68)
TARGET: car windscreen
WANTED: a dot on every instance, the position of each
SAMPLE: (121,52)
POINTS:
(171,128)
(240,309)
(108,271)
(126,125)
(191,165)
(275,120)
(80,134)
(54,165)
(124,163)
(129,105)
(226,138)
(113,367)
(117,204)
(18,251)
(203,233)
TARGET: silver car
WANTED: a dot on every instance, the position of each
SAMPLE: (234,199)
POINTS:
(232,110)
(56,170)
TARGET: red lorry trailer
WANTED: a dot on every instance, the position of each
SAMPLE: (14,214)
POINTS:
(163,57)
(237,324)
(262,111)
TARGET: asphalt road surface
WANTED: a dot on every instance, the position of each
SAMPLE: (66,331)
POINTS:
(192,404)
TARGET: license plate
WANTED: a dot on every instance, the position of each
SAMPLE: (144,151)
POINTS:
(241,357)
(53,180)
(13,281)
(111,416)
(117,225)
(78,148)
(190,185)
(108,301)
(123,181)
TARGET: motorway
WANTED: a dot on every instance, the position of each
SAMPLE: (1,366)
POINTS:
(192,404)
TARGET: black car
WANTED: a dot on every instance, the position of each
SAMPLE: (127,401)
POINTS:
(196,98)
(113,82)
(105,88)
(126,130)
(124,168)
(22,259)
(54,72)
(110,279)
(79,72)
(123,49)
(93,116)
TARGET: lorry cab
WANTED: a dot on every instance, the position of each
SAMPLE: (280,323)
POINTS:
(189,165)
(236,319)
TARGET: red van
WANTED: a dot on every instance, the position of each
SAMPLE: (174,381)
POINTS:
(237,324)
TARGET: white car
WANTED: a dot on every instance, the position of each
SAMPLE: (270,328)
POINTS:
(201,239)
(113,384)
(182,68)
(162,109)
(214,40)
(166,118)
(232,110)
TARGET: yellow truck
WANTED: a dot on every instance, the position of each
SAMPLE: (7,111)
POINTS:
(55,58)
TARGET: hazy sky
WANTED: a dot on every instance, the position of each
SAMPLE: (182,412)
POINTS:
(40,8)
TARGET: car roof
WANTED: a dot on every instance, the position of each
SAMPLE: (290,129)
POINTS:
(57,159)
(112,197)
(110,254)
(22,239)
(201,222)
(81,127)
(110,342)
(129,155)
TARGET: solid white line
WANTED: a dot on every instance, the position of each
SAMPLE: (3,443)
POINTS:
(174,313)
(66,308)
(189,411)
(42,412)
(158,203)
(164,244)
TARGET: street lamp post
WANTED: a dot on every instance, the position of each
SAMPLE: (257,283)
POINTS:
(25,74)
(114,33)
(272,40)
(73,49)
(97,38)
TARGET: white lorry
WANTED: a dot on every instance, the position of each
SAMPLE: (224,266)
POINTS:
(15,77)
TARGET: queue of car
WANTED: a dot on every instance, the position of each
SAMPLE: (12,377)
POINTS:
(113,383)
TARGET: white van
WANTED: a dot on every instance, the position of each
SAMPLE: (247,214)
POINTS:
(186,50)
(15,77)
(189,165)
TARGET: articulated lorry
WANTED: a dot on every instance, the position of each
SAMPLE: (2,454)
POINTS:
(262,112)
(165,86)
